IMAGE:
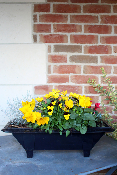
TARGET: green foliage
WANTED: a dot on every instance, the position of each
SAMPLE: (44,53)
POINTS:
(60,112)
(110,94)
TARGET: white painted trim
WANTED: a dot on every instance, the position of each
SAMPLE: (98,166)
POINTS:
(21,1)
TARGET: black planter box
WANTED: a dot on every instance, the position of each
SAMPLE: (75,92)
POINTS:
(32,139)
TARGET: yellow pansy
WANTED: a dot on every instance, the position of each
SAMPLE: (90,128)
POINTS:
(39,99)
(84,101)
(65,109)
(32,103)
(64,92)
(25,103)
(54,102)
(74,95)
(60,105)
(47,96)
(69,103)
(42,120)
(50,107)
(64,98)
(50,112)
(67,116)
(30,116)
(26,108)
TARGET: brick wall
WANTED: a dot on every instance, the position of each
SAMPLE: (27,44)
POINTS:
(81,36)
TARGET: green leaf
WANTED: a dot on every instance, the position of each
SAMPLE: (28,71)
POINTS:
(92,123)
(48,101)
(35,126)
(50,131)
(88,110)
(67,133)
(88,116)
(60,133)
(83,129)
(73,115)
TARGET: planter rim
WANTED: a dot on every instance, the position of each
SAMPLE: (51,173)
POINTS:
(106,128)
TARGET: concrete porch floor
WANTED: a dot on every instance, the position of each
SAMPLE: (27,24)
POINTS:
(13,160)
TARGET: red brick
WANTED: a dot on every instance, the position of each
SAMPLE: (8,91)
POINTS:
(58,78)
(34,18)
(115,70)
(104,101)
(66,8)
(112,78)
(41,7)
(115,8)
(49,49)
(83,59)
(99,49)
(84,1)
(67,69)
(67,28)
(96,8)
(108,108)
(82,79)
(95,99)
(114,117)
(57,0)
(101,29)
(115,49)
(89,90)
(83,19)
(49,69)
(111,59)
(54,38)
(42,89)
(42,28)
(95,69)
(109,1)
(53,18)
(109,40)
(57,58)
(70,88)
(105,19)
(84,39)
(68,48)
(115,29)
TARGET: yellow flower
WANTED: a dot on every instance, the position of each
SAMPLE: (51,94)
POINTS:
(39,99)
(50,107)
(84,102)
(66,110)
(42,120)
(32,103)
(74,95)
(47,96)
(60,105)
(50,112)
(30,116)
(26,108)
(71,94)
(64,98)
(56,91)
(64,92)
(54,102)
(69,103)
(67,116)
(25,103)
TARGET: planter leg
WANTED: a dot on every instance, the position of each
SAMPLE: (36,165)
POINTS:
(86,153)
(29,153)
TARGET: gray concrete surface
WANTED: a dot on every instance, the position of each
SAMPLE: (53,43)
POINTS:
(13,160)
